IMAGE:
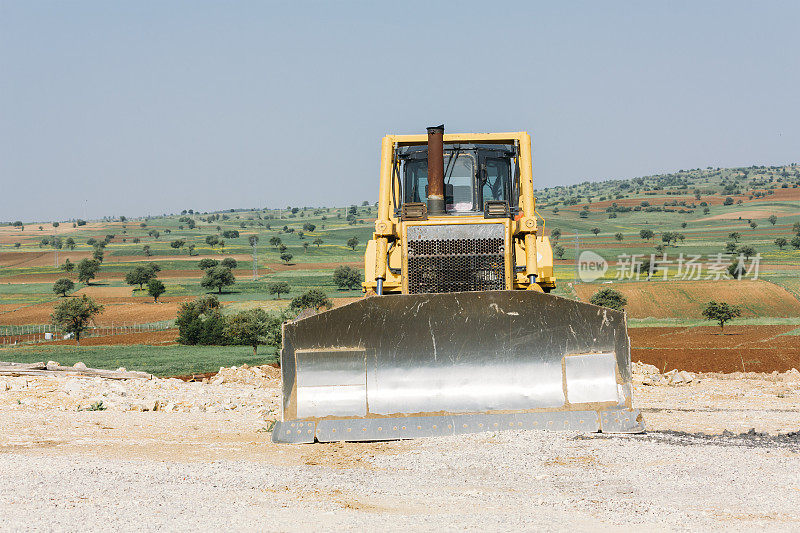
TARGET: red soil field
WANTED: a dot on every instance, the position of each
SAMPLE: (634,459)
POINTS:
(709,349)
(117,310)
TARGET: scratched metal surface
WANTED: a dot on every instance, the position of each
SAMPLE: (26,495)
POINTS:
(457,353)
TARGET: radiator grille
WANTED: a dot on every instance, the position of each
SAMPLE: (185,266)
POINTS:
(458,258)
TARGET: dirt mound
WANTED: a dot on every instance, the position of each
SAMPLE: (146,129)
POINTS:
(686,299)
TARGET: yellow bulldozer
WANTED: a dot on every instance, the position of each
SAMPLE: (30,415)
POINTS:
(457,333)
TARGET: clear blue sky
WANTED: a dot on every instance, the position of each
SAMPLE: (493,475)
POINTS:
(135,108)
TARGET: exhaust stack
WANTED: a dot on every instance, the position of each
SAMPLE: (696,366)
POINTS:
(436,205)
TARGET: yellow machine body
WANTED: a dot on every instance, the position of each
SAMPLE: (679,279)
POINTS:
(527,249)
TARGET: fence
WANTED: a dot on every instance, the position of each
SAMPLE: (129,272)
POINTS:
(33,333)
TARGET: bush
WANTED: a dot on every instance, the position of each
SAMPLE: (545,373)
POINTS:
(313,299)
(346,277)
(608,297)
(201,322)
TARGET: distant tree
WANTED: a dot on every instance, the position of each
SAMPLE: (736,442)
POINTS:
(595,230)
(278,288)
(190,248)
(555,234)
(87,270)
(70,243)
(346,277)
(772,219)
(146,250)
(207,263)
(140,275)
(681,237)
(683,224)
(730,247)
(555,210)
(212,240)
(56,224)
(62,286)
(253,240)
(230,262)
(69,266)
(154,234)
(231,234)
(608,297)
(753,225)
(781,242)
(735,236)
(17,245)
(646,234)
(217,277)
(275,241)
(646,268)
(282,248)
(98,253)
(249,328)
(155,288)
(74,315)
(728,201)
(178,243)
(706,210)
(721,312)
(305,246)
(618,236)
(286,257)
(18,224)
(312,299)
(309,227)
(318,241)
(747,251)
(559,251)
(796,228)
(136,240)
(795,242)
(80,222)
(737,270)
(91,241)
(352,242)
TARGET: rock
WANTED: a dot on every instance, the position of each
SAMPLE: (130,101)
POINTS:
(79,366)
(122,369)
(52,365)
(687,377)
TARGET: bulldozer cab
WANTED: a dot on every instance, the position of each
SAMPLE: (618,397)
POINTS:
(474,176)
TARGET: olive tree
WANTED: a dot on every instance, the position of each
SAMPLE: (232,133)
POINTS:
(73,315)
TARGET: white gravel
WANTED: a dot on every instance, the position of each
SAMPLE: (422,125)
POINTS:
(63,469)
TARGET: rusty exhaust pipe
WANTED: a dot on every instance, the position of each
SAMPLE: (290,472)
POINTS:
(436,205)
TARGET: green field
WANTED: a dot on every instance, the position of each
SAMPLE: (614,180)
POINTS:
(175,360)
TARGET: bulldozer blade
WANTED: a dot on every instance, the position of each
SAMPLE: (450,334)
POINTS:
(407,366)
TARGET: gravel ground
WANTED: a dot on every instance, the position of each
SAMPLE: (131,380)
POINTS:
(195,467)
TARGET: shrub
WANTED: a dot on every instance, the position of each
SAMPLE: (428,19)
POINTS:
(346,277)
(313,299)
(608,297)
